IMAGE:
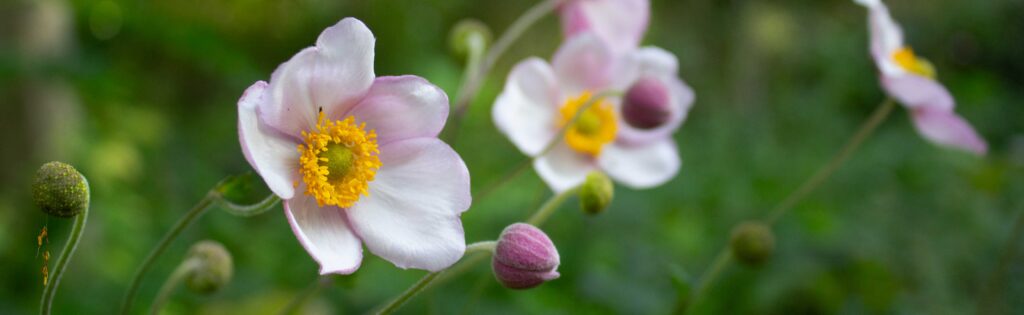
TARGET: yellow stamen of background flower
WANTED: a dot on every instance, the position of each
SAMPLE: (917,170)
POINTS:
(905,58)
(595,127)
(338,161)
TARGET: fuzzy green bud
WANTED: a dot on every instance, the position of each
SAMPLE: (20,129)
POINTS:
(752,243)
(213,267)
(60,190)
(466,34)
(596,193)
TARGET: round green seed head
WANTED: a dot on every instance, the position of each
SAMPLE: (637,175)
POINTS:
(752,243)
(214,270)
(468,32)
(60,190)
(596,193)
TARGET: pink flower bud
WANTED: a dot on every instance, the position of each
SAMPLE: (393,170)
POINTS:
(646,105)
(524,257)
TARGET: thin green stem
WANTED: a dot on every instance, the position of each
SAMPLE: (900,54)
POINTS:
(301,298)
(46,303)
(250,210)
(484,246)
(549,207)
(823,173)
(197,211)
(812,183)
(722,259)
(471,86)
(475,76)
(477,48)
(171,284)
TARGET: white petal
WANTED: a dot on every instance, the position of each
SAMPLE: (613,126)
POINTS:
(411,217)
(886,36)
(946,128)
(584,63)
(273,155)
(325,234)
(643,166)
(562,168)
(620,23)
(526,110)
(332,76)
(916,91)
(402,107)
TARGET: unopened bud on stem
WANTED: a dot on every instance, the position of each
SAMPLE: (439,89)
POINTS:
(468,33)
(646,104)
(524,257)
(596,193)
(60,190)
(213,270)
(752,243)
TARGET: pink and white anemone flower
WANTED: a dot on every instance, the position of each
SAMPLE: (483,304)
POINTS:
(355,157)
(620,23)
(911,81)
(539,99)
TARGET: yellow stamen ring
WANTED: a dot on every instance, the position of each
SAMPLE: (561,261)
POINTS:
(595,127)
(338,161)
(905,58)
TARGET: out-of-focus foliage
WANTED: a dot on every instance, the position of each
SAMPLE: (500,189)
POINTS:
(141,97)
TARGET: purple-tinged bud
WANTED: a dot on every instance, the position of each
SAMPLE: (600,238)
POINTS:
(524,257)
(646,105)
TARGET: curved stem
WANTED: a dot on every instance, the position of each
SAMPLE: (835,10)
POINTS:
(197,211)
(866,129)
(477,48)
(45,304)
(484,246)
(250,210)
(474,80)
(172,283)
(550,206)
(812,183)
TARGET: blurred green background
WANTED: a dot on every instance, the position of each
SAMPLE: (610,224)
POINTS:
(141,97)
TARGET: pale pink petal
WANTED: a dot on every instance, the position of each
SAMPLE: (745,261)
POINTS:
(332,76)
(915,91)
(948,129)
(402,107)
(642,166)
(411,217)
(325,234)
(886,36)
(273,155)
(584,63)
(562,168)
(526,109)
(620,23)
(662,65)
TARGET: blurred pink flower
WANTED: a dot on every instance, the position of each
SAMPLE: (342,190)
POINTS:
(911,81)
(540,98)
(620,23)
(356,157)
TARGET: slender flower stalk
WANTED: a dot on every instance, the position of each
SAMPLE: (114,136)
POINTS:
(212,198)
(475,75)
(321,283)
(484,246)
(171,284)
(62,263)
(550,206)
(723,257)
(190,217)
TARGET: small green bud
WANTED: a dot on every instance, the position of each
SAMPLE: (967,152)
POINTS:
(466,33)
(752,243)
(214,267)
(596,193)
(60,190)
